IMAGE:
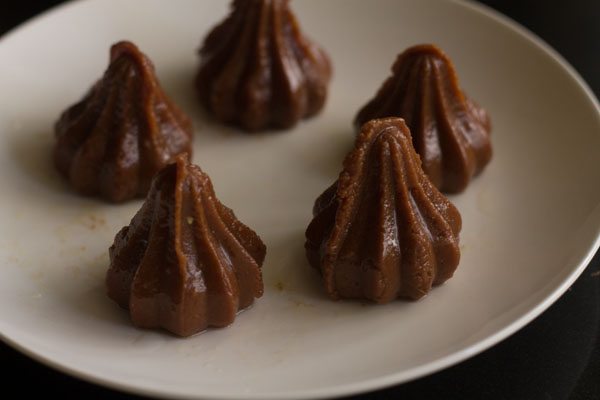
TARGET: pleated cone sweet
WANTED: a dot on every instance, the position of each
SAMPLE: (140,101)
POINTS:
(450,132)
(258,71)
(383,231)
(185,263)
(113,141)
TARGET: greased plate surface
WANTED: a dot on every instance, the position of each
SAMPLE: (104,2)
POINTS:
(530,221)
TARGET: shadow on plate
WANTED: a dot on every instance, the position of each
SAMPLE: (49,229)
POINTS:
(287,270)
(91,301)
(32,153)
(328,158)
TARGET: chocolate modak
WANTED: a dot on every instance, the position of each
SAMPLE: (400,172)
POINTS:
(112,142)
(450,132)
(185,262)
(258,71)
(383,231)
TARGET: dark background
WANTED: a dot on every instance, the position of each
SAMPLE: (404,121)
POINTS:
(557,356)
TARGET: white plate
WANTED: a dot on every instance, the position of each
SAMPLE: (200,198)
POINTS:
(531,221)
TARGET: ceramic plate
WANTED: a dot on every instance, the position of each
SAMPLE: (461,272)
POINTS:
(531,220)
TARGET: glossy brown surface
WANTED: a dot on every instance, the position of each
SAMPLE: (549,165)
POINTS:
(113,141)
(450,132)
(185,262)
(382,230)
(258,71)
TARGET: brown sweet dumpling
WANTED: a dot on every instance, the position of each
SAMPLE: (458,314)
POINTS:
(258,71)
(382,230)
(112,142)
(185,262)
(450,132)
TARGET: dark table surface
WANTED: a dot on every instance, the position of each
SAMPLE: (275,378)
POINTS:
(557,356)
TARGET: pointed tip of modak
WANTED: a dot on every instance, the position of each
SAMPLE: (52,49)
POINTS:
(177,169)
(381,129)
(183,159)
(381,124)
(425,49)
(126,49)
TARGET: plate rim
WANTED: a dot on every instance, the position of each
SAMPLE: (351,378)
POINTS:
(384,381)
